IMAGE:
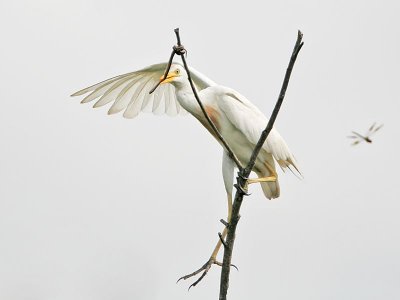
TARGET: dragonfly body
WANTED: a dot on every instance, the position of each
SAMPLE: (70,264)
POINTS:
(367,137)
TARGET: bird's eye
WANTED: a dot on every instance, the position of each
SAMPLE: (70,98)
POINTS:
(177,71)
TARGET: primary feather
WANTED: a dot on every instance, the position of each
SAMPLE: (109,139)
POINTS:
(130,92)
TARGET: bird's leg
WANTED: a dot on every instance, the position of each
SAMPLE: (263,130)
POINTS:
(261,179)
(271,178)
(213,258)
(207,266)
(255,180)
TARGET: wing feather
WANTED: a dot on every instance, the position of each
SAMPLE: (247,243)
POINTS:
(158,99)
(100,84)
(135,105)
(170,107)
(100,90)
(130,92)
(124,97)
(112,93)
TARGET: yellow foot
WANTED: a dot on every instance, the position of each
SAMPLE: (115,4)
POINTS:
(256,180)
(272,178)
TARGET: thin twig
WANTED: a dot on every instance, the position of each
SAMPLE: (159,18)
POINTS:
(180,50)
(171,57)
(244,174)
(278,104)
(224,222)
(231,154)
(222,239)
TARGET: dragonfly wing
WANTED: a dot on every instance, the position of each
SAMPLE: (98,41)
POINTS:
(372,127)
(375,130)
(359,135)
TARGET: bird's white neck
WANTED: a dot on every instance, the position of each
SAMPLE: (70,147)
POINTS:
(187,99)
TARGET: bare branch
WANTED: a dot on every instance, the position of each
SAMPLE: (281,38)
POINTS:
(171,57)
(224,222)
(222,239)
(244,174)
(180,50)
(278,104)
(231,154)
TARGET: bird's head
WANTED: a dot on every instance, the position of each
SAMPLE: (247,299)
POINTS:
(176,76)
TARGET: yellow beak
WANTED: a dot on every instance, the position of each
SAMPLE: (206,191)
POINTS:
(170,77)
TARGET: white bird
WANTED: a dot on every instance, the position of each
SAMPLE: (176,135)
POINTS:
(236,118)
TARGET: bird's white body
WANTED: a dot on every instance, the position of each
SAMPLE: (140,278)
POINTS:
(241,124)
(236,118)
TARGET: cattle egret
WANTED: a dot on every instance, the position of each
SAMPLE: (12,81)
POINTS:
(236,118)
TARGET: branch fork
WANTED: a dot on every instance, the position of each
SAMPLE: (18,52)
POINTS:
(243,173)
(224,222)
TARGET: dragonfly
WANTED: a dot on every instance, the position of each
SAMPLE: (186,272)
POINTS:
(367,137)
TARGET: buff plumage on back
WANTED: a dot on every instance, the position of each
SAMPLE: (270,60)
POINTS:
(236,107)
(130,92)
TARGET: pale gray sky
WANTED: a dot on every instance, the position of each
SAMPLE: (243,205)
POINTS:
(99,207)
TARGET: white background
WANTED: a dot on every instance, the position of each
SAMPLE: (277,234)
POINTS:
(99,207)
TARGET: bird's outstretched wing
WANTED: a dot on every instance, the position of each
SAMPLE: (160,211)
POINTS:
(251,122)
(130,92)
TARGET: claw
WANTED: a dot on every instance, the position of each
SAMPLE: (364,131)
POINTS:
(220,264)
(200,278)
(243,177)
(241,190)
(194,273)
(205,268)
